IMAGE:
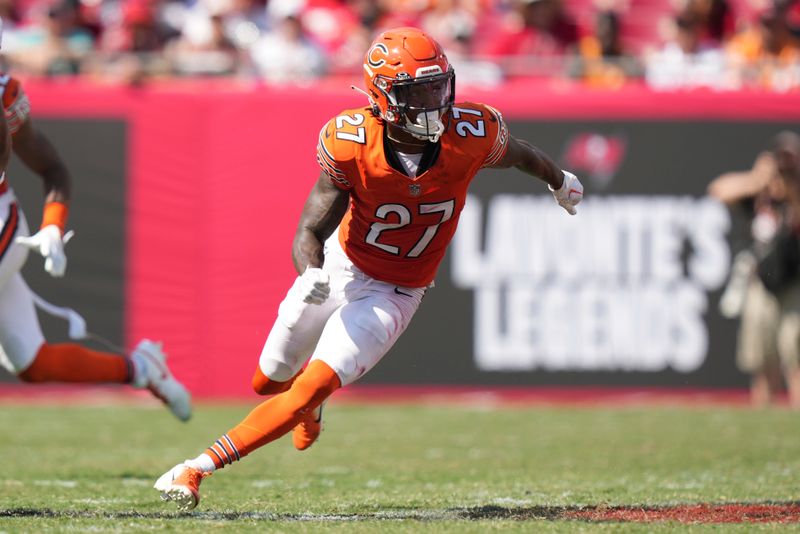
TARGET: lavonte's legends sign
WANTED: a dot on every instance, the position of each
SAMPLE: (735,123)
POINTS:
(631,273)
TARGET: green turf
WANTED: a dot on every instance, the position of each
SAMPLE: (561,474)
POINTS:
(396,468)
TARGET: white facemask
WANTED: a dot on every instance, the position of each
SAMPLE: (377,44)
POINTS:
(427,127)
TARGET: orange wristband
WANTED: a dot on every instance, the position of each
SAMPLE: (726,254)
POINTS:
(55,213)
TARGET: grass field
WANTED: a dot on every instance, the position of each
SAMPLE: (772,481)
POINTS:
(398,468)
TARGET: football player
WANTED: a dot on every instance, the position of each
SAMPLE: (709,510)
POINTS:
(23,349)
(371,236)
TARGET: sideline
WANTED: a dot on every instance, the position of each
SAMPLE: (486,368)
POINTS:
(474,396)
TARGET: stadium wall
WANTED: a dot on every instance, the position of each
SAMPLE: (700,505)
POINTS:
(195,188)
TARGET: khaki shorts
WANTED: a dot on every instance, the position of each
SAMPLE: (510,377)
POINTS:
(789,327)
(769,332)
(20,334)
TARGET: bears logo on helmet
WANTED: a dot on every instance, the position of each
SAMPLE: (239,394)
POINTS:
(376,51)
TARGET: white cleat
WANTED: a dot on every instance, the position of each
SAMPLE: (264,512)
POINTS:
(152,373)
(181,485)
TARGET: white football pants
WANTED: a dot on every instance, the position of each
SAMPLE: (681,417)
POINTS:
(351,331)
(20,333)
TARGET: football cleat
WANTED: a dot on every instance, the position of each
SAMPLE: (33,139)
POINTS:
(307,431)
(152,373)
(181,485)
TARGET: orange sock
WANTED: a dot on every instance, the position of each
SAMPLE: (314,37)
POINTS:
(275,417)
(264,385)
(68,362)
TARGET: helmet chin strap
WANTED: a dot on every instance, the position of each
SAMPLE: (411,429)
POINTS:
(427,127)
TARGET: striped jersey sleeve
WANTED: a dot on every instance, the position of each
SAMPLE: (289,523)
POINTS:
(500,143)
(327,160)
(16,105)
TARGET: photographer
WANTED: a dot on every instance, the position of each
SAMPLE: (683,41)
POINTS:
(778,264)
(759,194)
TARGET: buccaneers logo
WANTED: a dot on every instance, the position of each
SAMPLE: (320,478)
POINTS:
(597,155)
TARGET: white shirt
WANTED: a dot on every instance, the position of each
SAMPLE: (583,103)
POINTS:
(410,162)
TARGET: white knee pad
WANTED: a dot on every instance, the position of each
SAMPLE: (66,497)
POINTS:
(276,370)
(358,336)
(293,337)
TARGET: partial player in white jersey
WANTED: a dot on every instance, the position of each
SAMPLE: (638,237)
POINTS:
(23,348)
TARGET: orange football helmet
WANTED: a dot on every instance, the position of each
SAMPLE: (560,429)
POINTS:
(409,82)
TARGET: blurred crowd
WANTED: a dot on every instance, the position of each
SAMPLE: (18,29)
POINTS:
(669,44)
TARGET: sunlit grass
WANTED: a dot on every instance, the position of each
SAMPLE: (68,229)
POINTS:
(394,468)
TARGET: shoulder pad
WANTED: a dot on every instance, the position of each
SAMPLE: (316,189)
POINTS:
(483,127)
(340,140)
(15,102)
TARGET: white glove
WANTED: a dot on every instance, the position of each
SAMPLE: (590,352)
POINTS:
(314,285)
(49,243)
(569,194)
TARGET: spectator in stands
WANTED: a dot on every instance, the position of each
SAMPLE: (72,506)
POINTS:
(793,16)
(15,19)
(359,35)
(764,288)
(396,13)
(203,48)
(244,21)
(454,23)
(130,46)
(286,55)
(367,19)
(369,14)
(687,60)
(9,12)
(602,61)
(56,45)
(90,17)
(715,18)
(768,54)
(536,40)
(136,29)
(487,39)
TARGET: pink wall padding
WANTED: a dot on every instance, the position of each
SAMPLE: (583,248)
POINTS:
(217,176)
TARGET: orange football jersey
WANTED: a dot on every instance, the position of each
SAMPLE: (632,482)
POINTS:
(397,228)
